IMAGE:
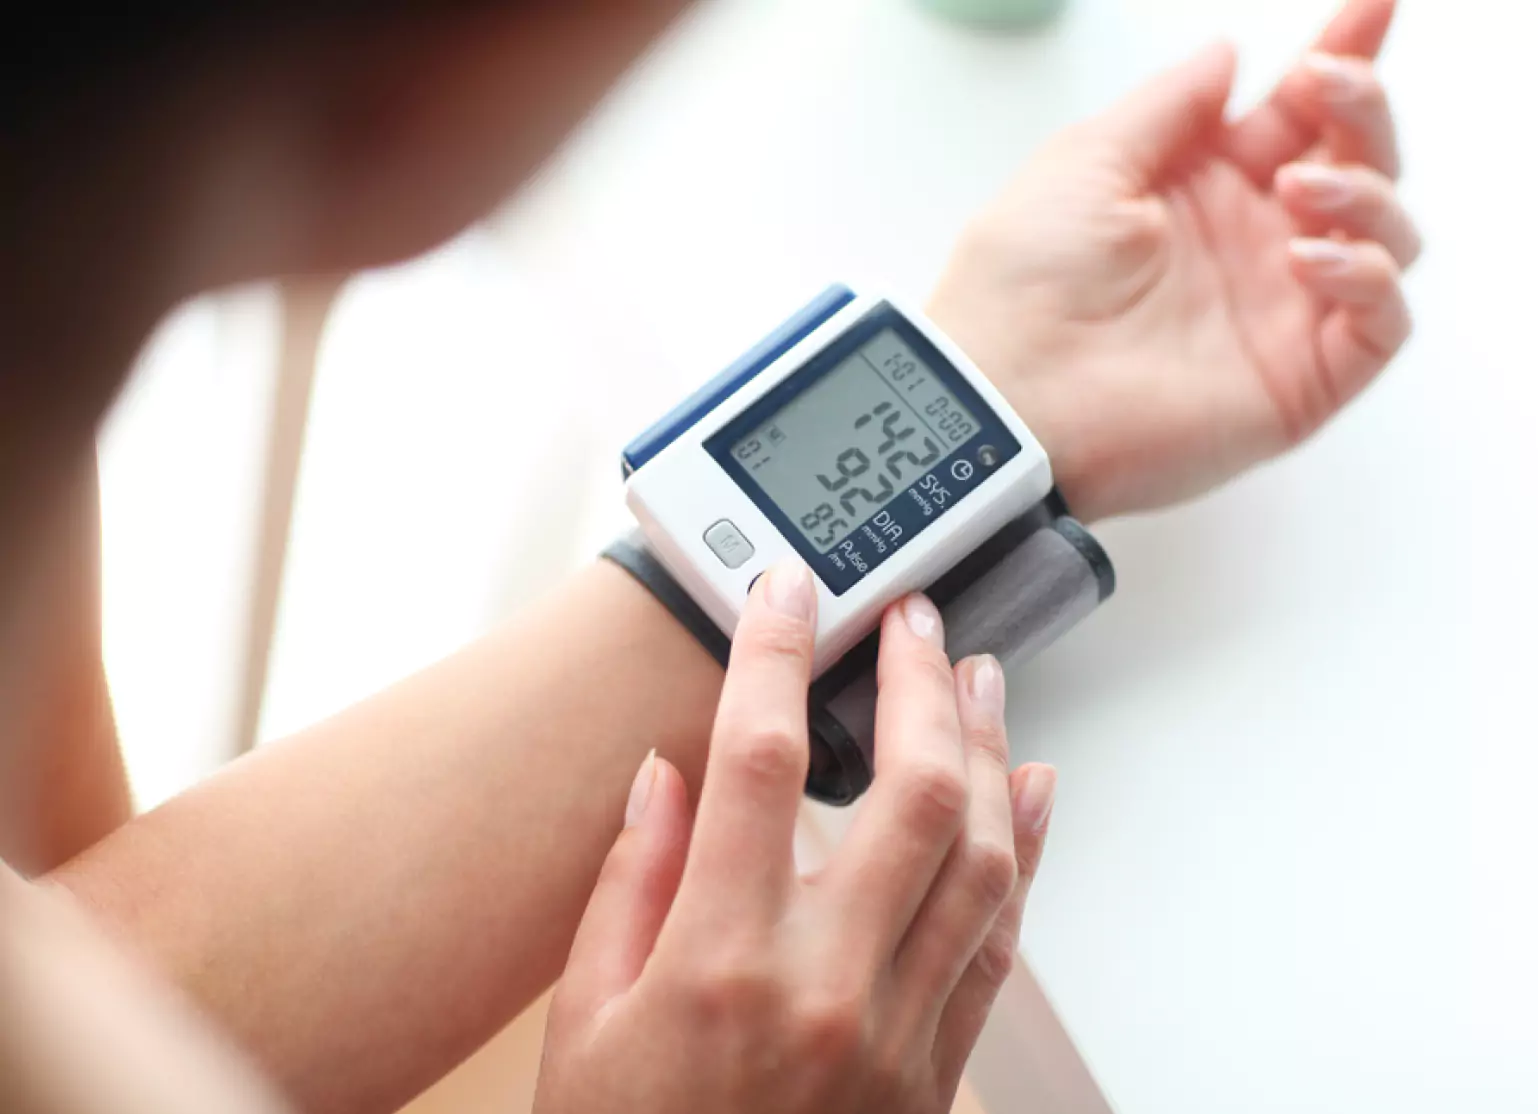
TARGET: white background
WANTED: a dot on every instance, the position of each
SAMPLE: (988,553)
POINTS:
(1293,861)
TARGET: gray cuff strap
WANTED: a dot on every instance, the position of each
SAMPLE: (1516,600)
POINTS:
(629,552)
(1017,594)
(1040,580)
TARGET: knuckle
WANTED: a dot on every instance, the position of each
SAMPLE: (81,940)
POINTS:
(732,988)
(991,870)
(777,638)
(996,958)
(770,754)
(934,799)
(936,671)
(991,742)
(924,668)
(830,1027)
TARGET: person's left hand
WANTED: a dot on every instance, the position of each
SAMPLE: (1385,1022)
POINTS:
(1167,297)
(709,976)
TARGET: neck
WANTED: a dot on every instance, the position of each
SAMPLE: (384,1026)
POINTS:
(88,271)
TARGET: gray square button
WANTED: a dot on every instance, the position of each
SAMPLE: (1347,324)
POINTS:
(727,543)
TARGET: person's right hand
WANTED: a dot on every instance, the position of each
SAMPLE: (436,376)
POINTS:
(708,976)
(1168,297)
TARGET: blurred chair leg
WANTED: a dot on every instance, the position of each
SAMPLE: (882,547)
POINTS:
(306,306)
(1025,1060)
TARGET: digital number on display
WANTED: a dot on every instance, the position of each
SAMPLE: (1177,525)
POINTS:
(853,441)
(857,452)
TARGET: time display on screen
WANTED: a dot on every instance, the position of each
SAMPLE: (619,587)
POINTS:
(866,431)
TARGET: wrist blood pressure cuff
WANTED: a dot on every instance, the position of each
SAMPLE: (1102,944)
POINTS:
(1012,597)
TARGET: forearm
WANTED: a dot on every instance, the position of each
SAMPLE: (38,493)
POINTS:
(365,903)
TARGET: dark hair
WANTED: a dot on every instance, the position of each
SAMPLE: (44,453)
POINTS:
(69,51)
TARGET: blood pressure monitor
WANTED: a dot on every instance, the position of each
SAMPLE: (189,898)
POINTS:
(859,437)
(870,446)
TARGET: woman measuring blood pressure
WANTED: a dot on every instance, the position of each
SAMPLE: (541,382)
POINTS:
(1164,297)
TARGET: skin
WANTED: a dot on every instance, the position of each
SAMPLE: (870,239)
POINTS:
(78,790)
(705,965)
(1171,297)
(1153,295)
(82,1031)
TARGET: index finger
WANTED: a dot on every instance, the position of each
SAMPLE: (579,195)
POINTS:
(1281,129)
(754,777)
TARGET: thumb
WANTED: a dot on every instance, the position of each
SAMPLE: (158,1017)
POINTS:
(1156,126)
(635,890)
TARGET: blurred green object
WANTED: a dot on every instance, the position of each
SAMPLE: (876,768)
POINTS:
(997,13)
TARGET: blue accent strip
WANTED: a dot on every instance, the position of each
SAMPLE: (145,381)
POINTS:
(755,360)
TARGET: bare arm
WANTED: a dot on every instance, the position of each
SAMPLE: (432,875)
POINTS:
(365,903)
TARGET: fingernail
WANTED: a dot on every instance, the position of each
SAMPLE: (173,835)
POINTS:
(923,619)
(985,687)
(1327,187)
(1033,799)
(1325,256)
(641,789)
(788,589)
(1338,79)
